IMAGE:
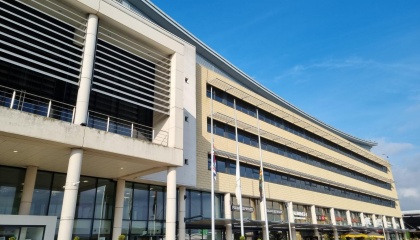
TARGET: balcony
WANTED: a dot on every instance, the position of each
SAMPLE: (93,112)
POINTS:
(30,103)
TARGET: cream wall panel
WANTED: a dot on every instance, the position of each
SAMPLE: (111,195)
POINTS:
(226,182)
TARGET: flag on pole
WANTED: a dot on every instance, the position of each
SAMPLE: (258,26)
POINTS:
(214,166)
(261,182)
(238,186)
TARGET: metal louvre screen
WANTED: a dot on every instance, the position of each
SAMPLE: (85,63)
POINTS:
(129,71)
(45,38)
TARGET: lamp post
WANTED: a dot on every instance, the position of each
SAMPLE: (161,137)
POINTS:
(288,219)
(383,225)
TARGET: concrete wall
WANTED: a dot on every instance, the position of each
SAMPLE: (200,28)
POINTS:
(22,220)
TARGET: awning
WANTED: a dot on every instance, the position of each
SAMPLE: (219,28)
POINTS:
(375,235)
(354,235)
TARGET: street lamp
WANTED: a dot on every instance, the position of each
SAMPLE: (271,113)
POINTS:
(383,225)
(288,219)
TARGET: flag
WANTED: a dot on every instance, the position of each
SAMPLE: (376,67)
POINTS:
(214,167)
(238,185)
(261,182)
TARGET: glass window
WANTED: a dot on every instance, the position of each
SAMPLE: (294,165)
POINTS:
(206,198)
(82,228)
(105,192)
(102,228)
(41,195)
(86,197)
(11,180)
(156,203)
(140,202)
(195,203)
(57,193)
(128,199)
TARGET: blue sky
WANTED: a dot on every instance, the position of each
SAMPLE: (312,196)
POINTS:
(352,64)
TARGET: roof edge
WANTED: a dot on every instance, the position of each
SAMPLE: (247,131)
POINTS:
(270,94)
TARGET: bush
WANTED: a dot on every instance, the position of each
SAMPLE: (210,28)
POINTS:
(121,237)
(76,238)
(242,238)
(12,238)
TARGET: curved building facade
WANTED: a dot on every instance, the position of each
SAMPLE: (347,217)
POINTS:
(108,114)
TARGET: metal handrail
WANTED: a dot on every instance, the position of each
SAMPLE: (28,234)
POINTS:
(26,102)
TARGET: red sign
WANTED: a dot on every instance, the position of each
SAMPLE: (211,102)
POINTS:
(339,219)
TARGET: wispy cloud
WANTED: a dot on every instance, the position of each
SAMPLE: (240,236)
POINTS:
(404,158)
(348,63)
(390,149)
(409,193)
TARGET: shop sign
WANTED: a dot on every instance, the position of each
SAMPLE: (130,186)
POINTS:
(300,215)
(244,208)
(355,220)
(321,217)
(274,211)
(339,219)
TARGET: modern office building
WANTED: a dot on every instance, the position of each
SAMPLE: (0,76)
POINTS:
(105,129)
(412,223)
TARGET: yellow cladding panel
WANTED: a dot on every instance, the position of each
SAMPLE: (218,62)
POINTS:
(226,182)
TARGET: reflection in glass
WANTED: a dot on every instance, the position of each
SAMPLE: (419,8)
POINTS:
(41,195)
(104,206)
(140,196)
(101,228)
(11,185)
(86,198)
(128,199)
(57,193)
(82,228)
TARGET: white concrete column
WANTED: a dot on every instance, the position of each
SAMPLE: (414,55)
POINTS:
(348,218)
(228,215)
(71,188)
(314,221)
(403,227)
(335,233)
(313,215)
(28,190)
(332,216)
(181,213)
(83,94)
(375,222)
(384,222)
(262,214)
(291,219)
(27,193)
(171,204)
(394,223)
(362,219)
(118,210)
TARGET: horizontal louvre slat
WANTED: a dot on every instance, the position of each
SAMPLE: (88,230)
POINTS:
(49,22)
(38,63)
(38,55)
(46,28)
(166,103)
(69,15)
(133,102)
(37,70)
(166,80)
(132,76)
(43,49)
(42,34)
(35,39)
(137,49)
(124,80)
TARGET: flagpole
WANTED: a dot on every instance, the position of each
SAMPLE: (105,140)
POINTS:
(262,177)
(212,168)
(238,191)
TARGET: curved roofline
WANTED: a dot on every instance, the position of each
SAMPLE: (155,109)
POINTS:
(171,25)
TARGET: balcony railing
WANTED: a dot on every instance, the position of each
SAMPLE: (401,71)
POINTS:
(26,102)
